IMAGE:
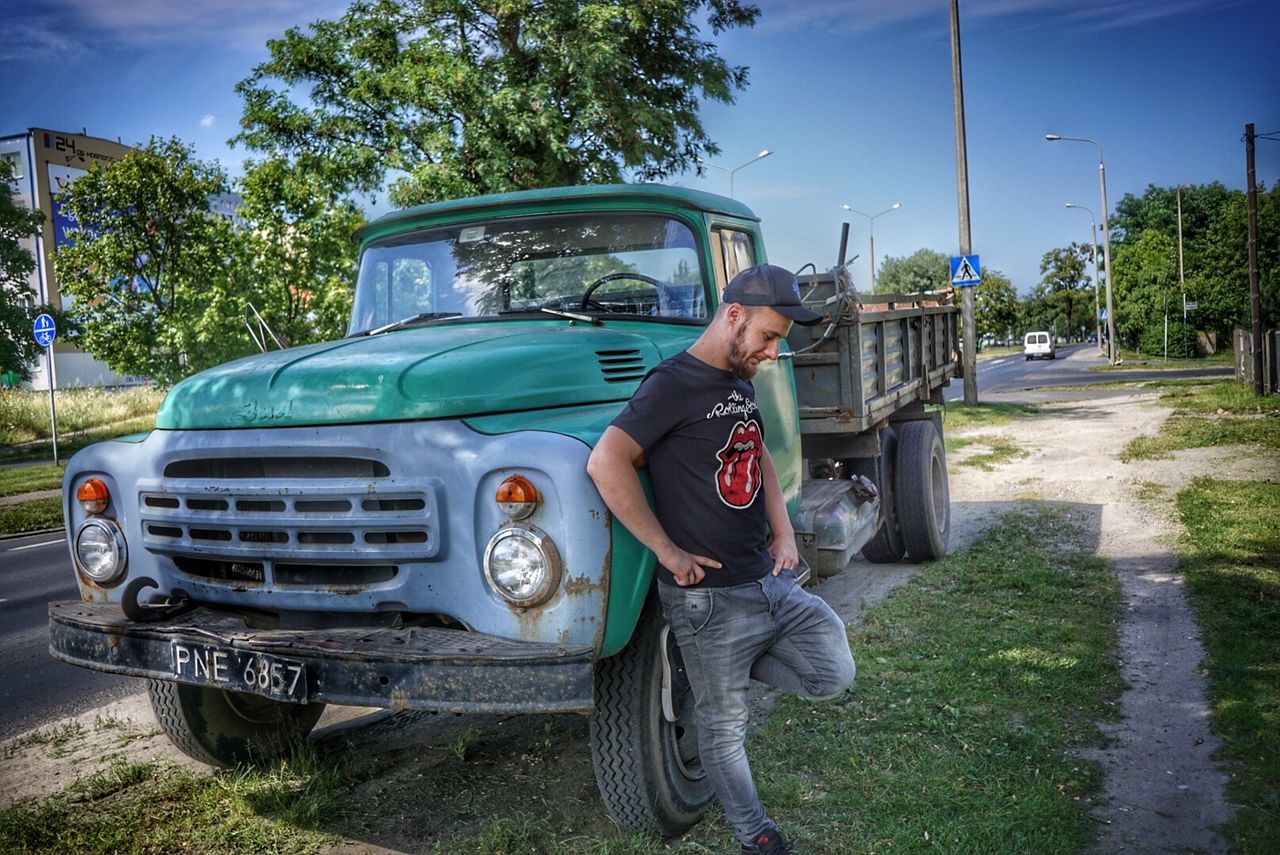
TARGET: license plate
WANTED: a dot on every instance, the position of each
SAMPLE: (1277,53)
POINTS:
(240,671)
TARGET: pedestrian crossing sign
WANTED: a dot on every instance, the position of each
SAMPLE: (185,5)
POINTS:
(965,270)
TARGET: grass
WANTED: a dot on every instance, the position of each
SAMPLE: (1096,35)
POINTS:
(15,480)
(962,416)
(101,413)
(1231,557)
(978,683)
(998,350)
(1130,359)
(999,450)
(152,809)
(31,515)
(1210,414)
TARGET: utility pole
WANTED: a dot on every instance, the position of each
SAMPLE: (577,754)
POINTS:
(1255,304)
(1182,285)
(962,186)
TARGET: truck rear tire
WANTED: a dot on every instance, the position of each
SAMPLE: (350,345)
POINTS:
(647,768)
(923,497)
(886,546)
(226,729)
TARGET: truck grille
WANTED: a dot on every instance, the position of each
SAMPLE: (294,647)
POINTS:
(300,522)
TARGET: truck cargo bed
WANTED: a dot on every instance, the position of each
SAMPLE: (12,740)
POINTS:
(883,353)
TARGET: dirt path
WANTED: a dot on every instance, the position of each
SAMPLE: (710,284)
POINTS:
(1164,793)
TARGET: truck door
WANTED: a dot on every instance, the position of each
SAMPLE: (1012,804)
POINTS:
(733,249)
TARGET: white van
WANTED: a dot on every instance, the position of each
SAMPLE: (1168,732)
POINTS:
(1039,344)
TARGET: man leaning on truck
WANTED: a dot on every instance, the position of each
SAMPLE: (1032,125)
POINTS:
(728,589)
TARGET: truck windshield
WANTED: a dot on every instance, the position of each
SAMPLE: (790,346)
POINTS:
(633,264)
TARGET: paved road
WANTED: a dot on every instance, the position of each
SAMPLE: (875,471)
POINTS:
(34,687)
(1074,366)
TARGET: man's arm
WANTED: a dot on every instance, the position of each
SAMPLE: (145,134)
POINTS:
(612,467)
(782,546)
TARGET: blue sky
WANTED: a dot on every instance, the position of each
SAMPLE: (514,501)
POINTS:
(853,96)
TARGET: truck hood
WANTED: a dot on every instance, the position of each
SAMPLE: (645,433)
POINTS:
(442,371)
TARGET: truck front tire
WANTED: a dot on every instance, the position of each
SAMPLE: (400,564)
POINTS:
(226,729)
(923,496)
(647,768)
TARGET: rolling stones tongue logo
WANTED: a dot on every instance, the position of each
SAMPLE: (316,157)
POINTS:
(738,478)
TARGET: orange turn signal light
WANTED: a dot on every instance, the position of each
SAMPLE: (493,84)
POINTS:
(517,497)
(92,495)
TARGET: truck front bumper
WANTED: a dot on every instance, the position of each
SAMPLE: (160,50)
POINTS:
(405,668)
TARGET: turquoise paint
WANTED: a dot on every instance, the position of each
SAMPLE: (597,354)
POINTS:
(598,197)
(449,370)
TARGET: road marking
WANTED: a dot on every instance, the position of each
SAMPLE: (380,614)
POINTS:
(37,545)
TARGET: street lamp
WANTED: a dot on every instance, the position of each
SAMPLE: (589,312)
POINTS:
(871,218)
(731,170)
(1113,355)
(1093,230)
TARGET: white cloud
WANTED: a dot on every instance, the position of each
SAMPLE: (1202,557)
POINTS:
(237,24)
(862,16)
(207,120)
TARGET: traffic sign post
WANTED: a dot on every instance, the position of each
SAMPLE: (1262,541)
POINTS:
(45,331)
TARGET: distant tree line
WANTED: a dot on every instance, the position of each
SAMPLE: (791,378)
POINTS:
(1144,248)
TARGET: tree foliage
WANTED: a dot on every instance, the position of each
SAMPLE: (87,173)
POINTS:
(150,267)
(1146,292)
(297,256)
(1063,300)
(995,306)
(162,285)
(18,348)
(1215,261)
(923,270)
(461,97)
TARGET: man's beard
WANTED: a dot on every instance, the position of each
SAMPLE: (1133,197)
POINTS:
(739,362)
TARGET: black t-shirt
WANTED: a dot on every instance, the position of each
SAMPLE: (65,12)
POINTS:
(703,439)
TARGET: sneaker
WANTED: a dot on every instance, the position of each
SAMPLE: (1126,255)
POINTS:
(770,842)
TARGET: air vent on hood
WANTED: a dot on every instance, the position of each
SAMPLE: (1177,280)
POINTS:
(621,366)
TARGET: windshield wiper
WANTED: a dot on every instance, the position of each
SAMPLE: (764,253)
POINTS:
(573,316)
(412,319)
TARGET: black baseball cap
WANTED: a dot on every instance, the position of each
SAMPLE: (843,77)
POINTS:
(772,286)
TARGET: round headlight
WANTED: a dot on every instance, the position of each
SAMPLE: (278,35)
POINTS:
(522,565)
(100,551)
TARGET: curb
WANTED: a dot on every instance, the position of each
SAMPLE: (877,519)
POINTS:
(4,537)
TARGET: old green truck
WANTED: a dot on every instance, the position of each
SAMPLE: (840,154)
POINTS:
(402,518)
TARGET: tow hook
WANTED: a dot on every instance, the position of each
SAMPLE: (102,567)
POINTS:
(141,612)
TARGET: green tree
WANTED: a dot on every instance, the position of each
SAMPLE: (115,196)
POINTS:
(1146,286)
(461,97)
(1215,254)
(1063,290)
(995,305)
(18,348)
(923,270)
(150,267)
(296,251)
(1220,283)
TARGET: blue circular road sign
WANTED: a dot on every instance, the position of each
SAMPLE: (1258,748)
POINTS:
(45,330)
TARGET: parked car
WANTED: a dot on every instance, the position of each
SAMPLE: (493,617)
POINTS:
(1039,344)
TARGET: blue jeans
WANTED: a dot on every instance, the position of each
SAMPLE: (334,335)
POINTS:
(771,630)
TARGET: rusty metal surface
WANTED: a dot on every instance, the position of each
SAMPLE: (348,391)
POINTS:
(398,668)
(884,353)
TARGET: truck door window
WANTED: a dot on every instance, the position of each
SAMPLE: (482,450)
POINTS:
(734,252)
